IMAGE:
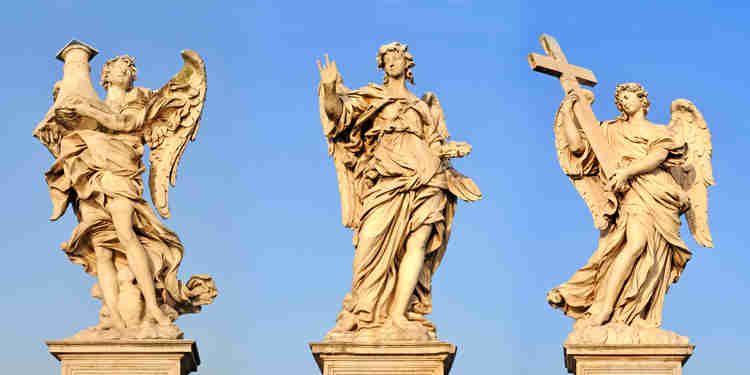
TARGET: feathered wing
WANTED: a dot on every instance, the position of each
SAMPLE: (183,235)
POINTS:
(438,116)
(583,173)
(696,175)
(172,120)
(344,159)
(461,186)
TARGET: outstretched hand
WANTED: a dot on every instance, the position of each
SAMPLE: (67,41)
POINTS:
(455,149)
(328,73)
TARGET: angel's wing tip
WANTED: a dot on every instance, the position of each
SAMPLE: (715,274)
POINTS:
(192,56)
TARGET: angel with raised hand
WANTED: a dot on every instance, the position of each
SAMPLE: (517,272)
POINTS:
(98,147)
(662,172)
(398,193)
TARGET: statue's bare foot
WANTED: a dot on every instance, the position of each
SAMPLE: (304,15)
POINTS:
(598,319)
(594,319)
(118,324)
(400,321)
(158,315)
(403,323)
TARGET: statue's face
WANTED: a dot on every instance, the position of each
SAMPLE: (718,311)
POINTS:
(120,74)
(394,64)
(630,102)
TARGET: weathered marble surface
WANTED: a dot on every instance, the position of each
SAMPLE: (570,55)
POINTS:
(126,357)
(98,146)
(336,358)
(637,178)
(626,359)
(398,194)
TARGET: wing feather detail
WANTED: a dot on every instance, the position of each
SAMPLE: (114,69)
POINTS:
(345,156)
(461,186)
(175,110)
(696,174)
(583,172)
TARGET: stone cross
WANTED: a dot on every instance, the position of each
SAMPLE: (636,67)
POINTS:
(555,64)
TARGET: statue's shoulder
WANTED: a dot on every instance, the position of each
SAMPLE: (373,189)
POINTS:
(372,89)
(608,123)
(139,93)
(138,97)
(656,131)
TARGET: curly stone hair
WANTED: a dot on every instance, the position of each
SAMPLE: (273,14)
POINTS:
(634,88)
(130,61)
(398,48)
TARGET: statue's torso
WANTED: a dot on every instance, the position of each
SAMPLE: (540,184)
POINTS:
(633,142)
(397,139)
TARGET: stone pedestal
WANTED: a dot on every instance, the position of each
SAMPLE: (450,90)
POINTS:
(126,357)
(629,359)
(339,358)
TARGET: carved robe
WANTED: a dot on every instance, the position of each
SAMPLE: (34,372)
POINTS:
(95,166)
(392,182)
(654,200)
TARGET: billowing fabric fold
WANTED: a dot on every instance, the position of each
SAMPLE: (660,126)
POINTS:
(653,204)
(94,167)
(392,183)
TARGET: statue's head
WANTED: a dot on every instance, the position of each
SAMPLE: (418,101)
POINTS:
(395,61)
(119,71)
(630,98)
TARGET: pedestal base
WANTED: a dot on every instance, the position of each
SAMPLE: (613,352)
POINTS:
(626,359)
(126,357)
(338,358)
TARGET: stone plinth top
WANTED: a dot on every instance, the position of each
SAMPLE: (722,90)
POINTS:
(428,358)
(667,359)
(133,346)
(173,357)
(436,347)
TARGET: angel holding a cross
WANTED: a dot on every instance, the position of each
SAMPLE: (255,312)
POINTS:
(637,178)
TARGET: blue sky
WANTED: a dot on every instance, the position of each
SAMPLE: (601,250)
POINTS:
(257,205)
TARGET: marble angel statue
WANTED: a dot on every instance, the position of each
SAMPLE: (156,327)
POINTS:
(98,147)
(662,173)
(398,194)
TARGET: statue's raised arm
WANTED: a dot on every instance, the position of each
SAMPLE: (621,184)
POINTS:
(579,162)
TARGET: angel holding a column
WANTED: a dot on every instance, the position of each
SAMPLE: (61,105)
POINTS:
(98,147)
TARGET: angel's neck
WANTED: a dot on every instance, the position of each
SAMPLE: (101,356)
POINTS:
(636,118)
(115,94)
(396,86)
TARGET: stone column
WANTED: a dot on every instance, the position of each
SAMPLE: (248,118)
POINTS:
(626,359)
(126,357)
(346,358)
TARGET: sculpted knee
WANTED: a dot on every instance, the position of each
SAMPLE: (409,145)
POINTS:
(103,256)
(118,208)
(633,250)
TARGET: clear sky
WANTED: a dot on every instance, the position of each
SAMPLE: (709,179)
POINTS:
(257,205)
